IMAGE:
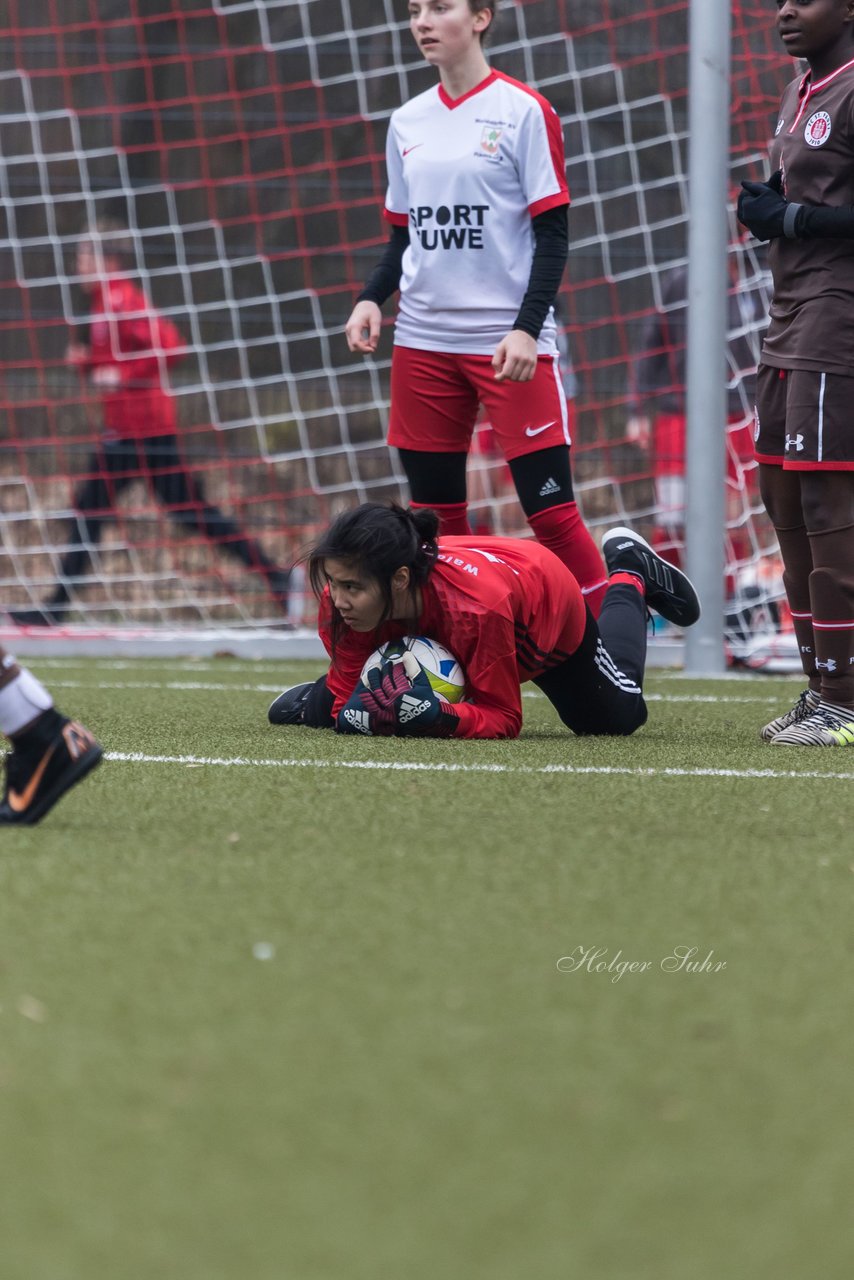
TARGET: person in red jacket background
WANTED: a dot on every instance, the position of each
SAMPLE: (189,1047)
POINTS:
(126,351)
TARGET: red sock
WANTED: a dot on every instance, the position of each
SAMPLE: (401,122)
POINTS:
(562,530)
(629,580)
(453,517)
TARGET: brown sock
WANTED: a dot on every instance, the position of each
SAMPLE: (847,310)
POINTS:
(832,593)
(797,560)
(781,494)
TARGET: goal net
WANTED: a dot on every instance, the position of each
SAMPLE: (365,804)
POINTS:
(241,144)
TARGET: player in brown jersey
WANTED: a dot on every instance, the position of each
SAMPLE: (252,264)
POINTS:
(507,608)
(804,430)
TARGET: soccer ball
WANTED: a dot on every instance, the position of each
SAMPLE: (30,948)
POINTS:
(441,668)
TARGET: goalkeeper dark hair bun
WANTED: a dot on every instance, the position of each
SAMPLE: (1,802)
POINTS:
(378,538)
(426,523)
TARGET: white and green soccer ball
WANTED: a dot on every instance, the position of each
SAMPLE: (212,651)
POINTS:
(441,668)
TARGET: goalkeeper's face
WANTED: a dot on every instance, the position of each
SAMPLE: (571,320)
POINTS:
(358,597)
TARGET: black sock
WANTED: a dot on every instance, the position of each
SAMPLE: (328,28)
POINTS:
(40,732)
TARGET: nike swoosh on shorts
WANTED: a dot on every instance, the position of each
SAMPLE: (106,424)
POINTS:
(535,431)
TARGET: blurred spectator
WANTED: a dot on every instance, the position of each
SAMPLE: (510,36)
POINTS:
(657,422)
(124,351)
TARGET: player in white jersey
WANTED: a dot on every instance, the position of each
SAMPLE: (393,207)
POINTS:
(477,201)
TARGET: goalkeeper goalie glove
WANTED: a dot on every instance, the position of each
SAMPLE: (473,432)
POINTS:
(362,713)
(371,707)
(407,703)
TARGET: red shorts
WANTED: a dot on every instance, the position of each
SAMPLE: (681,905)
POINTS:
(435,397)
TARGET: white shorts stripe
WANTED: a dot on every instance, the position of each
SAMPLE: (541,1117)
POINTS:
(822,386)
(561,395)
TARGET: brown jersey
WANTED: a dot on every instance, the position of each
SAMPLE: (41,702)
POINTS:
(812,315)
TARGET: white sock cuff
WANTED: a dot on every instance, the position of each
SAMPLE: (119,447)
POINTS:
(21,701)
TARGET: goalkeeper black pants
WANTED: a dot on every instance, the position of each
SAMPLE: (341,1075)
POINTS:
(598,689)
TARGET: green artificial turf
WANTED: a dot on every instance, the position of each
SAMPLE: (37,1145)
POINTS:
(312,1017)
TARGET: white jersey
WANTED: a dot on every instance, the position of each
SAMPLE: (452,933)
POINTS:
(466,176)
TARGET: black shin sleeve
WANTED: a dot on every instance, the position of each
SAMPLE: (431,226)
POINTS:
(435,477)
(543,479)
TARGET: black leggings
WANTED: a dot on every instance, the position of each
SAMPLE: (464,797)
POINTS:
(596,691)
(441,478)
(118,463)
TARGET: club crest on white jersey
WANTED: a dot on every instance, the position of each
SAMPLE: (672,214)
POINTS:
(490,139)
(817,129)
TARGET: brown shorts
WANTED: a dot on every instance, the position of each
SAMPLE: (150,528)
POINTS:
(804,419)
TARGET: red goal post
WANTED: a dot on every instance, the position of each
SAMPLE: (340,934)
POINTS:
(242,143)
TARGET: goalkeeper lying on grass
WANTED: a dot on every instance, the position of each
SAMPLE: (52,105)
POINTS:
(509,611)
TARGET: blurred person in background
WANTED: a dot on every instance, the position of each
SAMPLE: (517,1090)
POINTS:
(658,423)
(124,351)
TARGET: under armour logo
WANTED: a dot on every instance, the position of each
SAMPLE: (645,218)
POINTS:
(830,665)
(795,442)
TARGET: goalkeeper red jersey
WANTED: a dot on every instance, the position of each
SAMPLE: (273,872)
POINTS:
(507,609)
(133,345)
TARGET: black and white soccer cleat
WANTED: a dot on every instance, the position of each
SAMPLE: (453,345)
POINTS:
(668,590)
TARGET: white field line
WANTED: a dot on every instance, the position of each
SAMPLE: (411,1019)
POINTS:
(198,686)
(415,766)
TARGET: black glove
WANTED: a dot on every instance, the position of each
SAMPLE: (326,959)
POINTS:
(765,211)
(367,710)
(405,698)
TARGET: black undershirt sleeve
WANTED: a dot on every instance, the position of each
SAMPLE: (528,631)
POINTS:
(384,280)
(821,222)
(551,245)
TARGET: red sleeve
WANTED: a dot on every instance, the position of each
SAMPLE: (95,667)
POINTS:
(137,328)
(493,706)
(158,342)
